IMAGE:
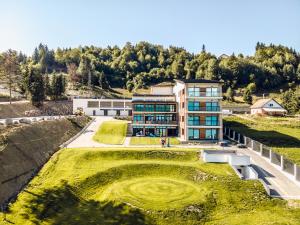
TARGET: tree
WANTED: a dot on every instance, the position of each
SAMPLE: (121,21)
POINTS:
(35,86)
(10,73)
(229,94)
(203,48)
(291,100)
(48,87)
(252,87)
(130,86)
(103,83)
(58,86)
(247,97)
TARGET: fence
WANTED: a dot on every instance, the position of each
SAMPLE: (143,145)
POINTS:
(285,164)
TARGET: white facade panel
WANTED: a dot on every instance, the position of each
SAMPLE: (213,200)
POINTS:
(111,112)
(124,113)
(167,90)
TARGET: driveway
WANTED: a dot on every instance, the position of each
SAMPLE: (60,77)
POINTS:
(280,184)
(86,138)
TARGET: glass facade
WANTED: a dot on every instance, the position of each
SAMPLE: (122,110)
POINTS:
(202,134)
(208,92)
(212,92)
(194,134)
(193,106)
(212,106)
(154,108)
(209,106)
(211,121)
(138,118)
(194,120)
(211,134)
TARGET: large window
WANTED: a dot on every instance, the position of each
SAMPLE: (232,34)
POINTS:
(212,106)
(165,108)
(93,104)
(193,91)
(137,131)
(212,92)
(139,107)
(194,134)
(149,108)
(138,118)
(211,121)
(211,134)
(194,120)
(193,106)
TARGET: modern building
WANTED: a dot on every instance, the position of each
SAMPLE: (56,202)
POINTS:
(200,112)
(188,109)
(155,114)
(267,106)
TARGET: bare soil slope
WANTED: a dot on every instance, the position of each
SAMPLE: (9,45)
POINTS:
(24,149)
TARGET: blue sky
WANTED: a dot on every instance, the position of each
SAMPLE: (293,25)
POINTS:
(223,26)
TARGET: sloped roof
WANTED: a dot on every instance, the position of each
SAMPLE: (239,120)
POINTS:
(261,102)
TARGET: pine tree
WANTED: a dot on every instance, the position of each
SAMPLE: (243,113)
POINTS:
(58,86)
(247,97)
(48,88)
(35,86)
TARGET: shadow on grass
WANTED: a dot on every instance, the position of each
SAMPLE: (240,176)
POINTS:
(269,138)
(61,206)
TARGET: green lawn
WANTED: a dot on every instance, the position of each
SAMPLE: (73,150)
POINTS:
(143,186)
(151,141)
(282,134)
(111,132)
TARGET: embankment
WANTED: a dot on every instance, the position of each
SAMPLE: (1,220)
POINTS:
(25,149)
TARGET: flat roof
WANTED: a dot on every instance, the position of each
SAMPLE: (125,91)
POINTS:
(151,95)
(191,81)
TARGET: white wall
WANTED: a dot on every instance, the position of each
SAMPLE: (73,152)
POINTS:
(239,160)
(167,90)
(123,113)
(272,102)
(82,103)
(218,158)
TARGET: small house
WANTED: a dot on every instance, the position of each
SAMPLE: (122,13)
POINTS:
(267,107)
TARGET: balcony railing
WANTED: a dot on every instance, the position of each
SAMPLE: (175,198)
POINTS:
(155,122)
(204,109)
(202,123)
(204,94)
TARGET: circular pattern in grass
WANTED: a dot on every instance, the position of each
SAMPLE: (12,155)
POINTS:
(155,193)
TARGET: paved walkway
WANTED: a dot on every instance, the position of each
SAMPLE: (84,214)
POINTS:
(86,138)
(279,183)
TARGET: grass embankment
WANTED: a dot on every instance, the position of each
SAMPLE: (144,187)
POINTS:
(90,186)
(111,132)
(282,134)
(151,141)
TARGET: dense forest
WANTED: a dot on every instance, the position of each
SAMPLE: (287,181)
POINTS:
(143,64)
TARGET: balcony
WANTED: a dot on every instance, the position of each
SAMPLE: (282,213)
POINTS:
(156,122)
(204,94)
(203,123)
(204,109)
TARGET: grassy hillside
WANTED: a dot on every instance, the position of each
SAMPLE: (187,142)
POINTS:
(143,186)
(111,132)
(282,134)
